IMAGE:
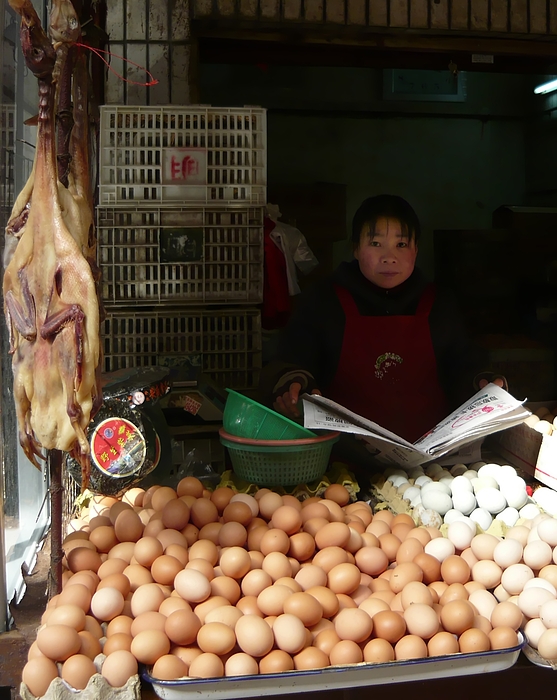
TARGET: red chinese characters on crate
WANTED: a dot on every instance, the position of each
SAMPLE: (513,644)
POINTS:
(185,166)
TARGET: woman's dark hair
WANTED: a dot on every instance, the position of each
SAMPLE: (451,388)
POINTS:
(389,206)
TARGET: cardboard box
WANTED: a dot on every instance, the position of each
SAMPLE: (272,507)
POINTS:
(533,452)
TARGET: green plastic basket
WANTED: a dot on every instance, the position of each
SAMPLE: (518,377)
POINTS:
(279,462)
(247,418)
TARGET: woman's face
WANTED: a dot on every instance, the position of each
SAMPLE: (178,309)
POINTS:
(386,257)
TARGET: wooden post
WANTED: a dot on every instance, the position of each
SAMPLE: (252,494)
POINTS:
(54,461)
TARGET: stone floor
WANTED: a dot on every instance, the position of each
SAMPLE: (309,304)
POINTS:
(27,615)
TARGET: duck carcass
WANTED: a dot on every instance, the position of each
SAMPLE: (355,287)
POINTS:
(50,296)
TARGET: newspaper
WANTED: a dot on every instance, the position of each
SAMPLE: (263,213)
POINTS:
(490,410)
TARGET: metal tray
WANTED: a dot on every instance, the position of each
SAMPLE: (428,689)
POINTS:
(337,677)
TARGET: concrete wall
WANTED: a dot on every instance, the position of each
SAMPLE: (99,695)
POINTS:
(455,162)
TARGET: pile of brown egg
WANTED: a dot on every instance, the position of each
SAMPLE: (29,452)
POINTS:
(199,584)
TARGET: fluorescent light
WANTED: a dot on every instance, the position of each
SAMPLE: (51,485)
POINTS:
(546,87)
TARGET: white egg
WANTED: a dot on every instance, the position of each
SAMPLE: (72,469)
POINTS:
(470,474)
(436,486)
(546,498)
(451,516)
(529,511)
(489,470)
(482,516)
(393,471)
(500,593)
(416,501)
(440,548)
(430,518)
(476,465)
(541,583)
(421,480)
(547,531)
(531,600)
(411,493)
(397,480)
(514,578)
(509,516)
(464,501)
(548,614)
(482,482)
(461,483)
(515,493)
(533,630)
(537,554)
(484,602)
(437,500)
(492,500)
(507,552)
(415,472)
(460,534)
(505,473)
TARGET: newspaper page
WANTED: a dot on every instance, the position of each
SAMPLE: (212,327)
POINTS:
(491,409)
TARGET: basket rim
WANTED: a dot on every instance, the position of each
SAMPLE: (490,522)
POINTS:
(278,443)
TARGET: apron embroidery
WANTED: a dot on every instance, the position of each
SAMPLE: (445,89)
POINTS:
(385,361)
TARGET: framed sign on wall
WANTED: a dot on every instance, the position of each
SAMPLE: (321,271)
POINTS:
(424,85)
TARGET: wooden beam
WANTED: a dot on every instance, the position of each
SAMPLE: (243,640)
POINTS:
(359,37)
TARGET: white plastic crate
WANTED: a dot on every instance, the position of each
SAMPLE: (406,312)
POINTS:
(225,344)
(173,154)
(181,255)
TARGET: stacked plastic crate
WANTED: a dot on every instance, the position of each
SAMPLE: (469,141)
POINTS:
(180,238)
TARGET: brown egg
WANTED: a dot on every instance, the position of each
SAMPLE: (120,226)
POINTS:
(175,514)
(123,550)
(235,562)
(482,623)
(128,526)
(378,651)
(38,673)
(104,537)
(169,667)
(191,486)
(93,626)
(58,642)
(82,558)
(313,525)
(488,573)
(117,642)
(269,503)
(403,574)
(154,526)
(326,640)
(168,537)
(117,668)
(78,595)
(373,605)
(226,587)
(345,652)
(389,543)
(343,578)
(457,616)
(204,549)
(506,614)
(329,601)
(286,518)
(118,581)
(305,607)
(232,534)
(372,560)
(302,546)
(138,576)
(146,598)
(384,516)
(419,533)
(455,591)
(401,530)
(248,605)
(162,496)
(354,624)
(90,645)
(474,640)
(165,568)
(277,661)
(314,510)
(204,511)
(216,638)
(410,647)
(111,566)
(503,638)
(150,645)
(455,570)
(389,625)
(255,581)
(221,497)
(66,614)
(309,658)
(408,550)
(254,636)
(238,512)
(289,500)
(442,643)
(330,557)
(271,600)
(337,493)
(416,592)
(182,627)
(335,534)
(277,565)
(148,620)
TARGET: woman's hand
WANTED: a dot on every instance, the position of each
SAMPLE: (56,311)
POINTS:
(287,403)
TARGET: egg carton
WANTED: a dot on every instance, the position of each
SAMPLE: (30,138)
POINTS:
(98,688)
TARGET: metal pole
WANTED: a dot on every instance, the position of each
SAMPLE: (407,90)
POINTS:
(56,504)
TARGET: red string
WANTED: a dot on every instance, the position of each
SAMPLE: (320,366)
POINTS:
(98,52)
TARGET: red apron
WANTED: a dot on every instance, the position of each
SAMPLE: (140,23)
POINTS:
(388,371)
